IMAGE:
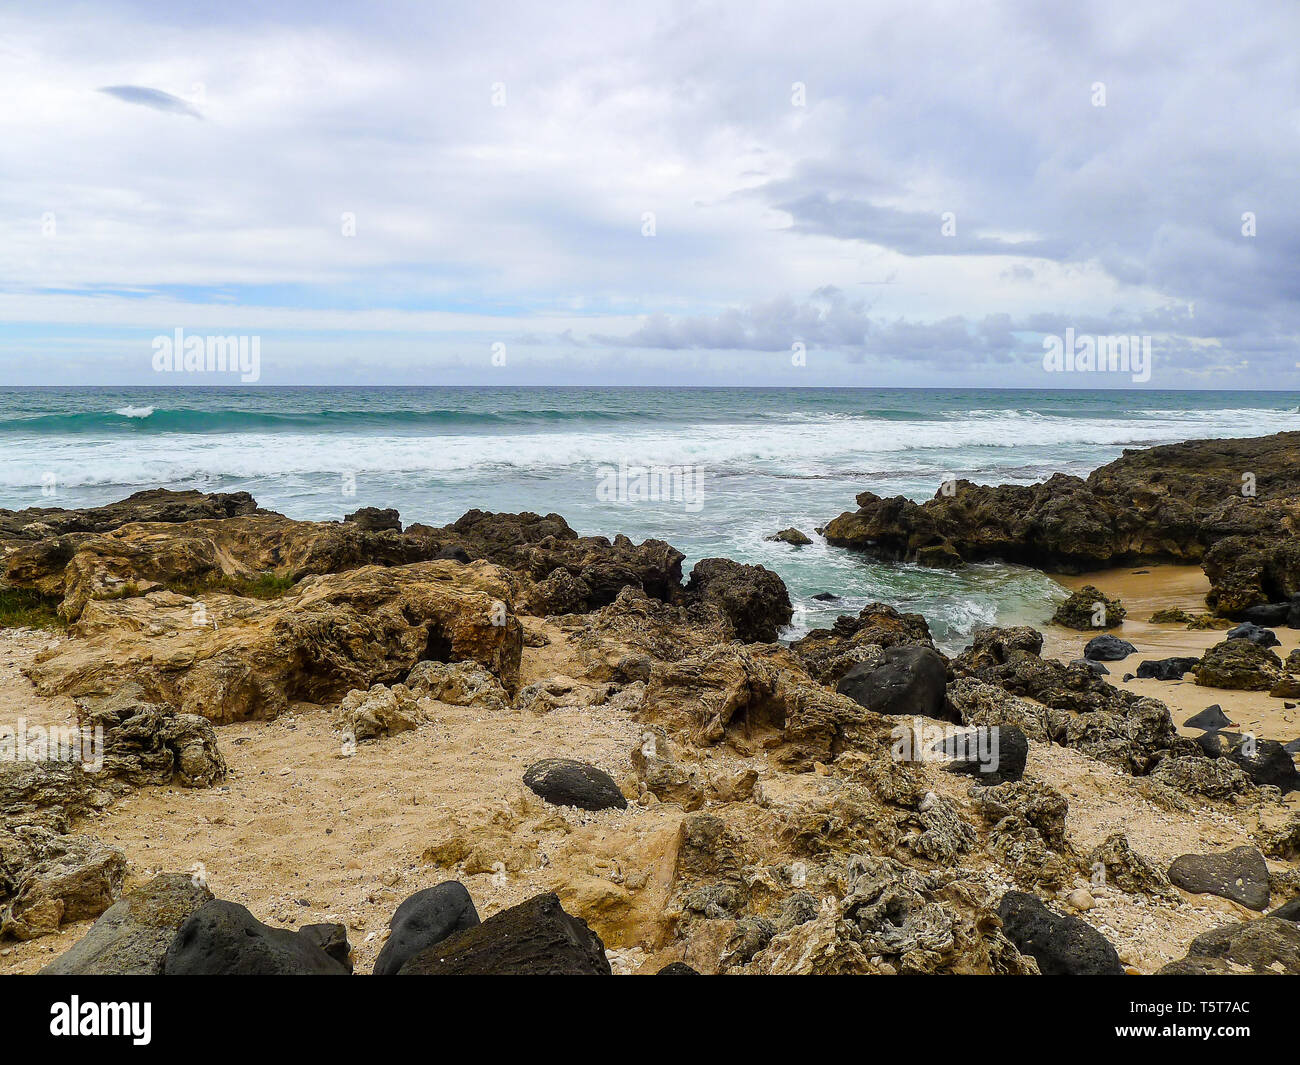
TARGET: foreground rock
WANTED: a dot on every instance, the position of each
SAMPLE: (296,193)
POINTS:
(535,938)
(1240,875)
(132,936)
(564,782)
(1266,946)
(223,939)
(423,920)
(1061,945)
(907,681)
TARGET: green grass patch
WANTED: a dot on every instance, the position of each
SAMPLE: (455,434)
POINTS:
(263,586)
(23,608)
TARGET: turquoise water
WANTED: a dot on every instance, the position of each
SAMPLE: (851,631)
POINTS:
(765,458)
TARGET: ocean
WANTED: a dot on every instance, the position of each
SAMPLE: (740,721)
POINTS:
(746,462)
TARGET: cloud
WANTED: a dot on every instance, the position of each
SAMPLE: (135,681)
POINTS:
(154,98)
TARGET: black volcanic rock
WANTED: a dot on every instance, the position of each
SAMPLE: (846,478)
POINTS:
(223,939)
(911,680)
(1240,875)
(1108,648)
(535,938)
(1062,946)
(565,782)
(423,920)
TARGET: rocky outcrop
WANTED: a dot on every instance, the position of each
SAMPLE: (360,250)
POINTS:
(830,653)
(752,600)
(78,879)
(1179,503)
(1089,608)
(1239,665)
(328,635)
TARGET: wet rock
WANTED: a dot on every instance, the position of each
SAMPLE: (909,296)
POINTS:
(224,939)
(372,519)
(910,680)
(1264,946)
(1061,945)
(1166,668)
(131,937)
(80,879)
(1211,719)
(793,537)
(1089,608)
(1254,633)
(423,920)
(1108,648)
(990,755)
(826,597)
(535,938)
(1240,875)
(565,782)
(1239,665)
(752,599)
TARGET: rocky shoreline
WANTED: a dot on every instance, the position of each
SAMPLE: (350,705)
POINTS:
(332,747)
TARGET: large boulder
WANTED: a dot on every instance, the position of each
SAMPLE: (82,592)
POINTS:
(424,919)
(753,600)
(1061,945)
(1240,875)
(564,782)
(1107,648)
(910,680)
(535,938)
(131,937)
(223,939)
(1089,608)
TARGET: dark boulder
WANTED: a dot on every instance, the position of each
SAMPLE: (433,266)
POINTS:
(1265,762)
(677,968)
(752,599)
(911,680)
(1166,668)
(991,755)
(535,938)
(372,519)
(1062,946)
(424,919)
(1240,875)
(1288,911)
(1269,614)
(790,536)
(1254,633)
(565,782)
(223,939)
(1108,648)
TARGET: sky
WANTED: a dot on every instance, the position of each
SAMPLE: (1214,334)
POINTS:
(882,194)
